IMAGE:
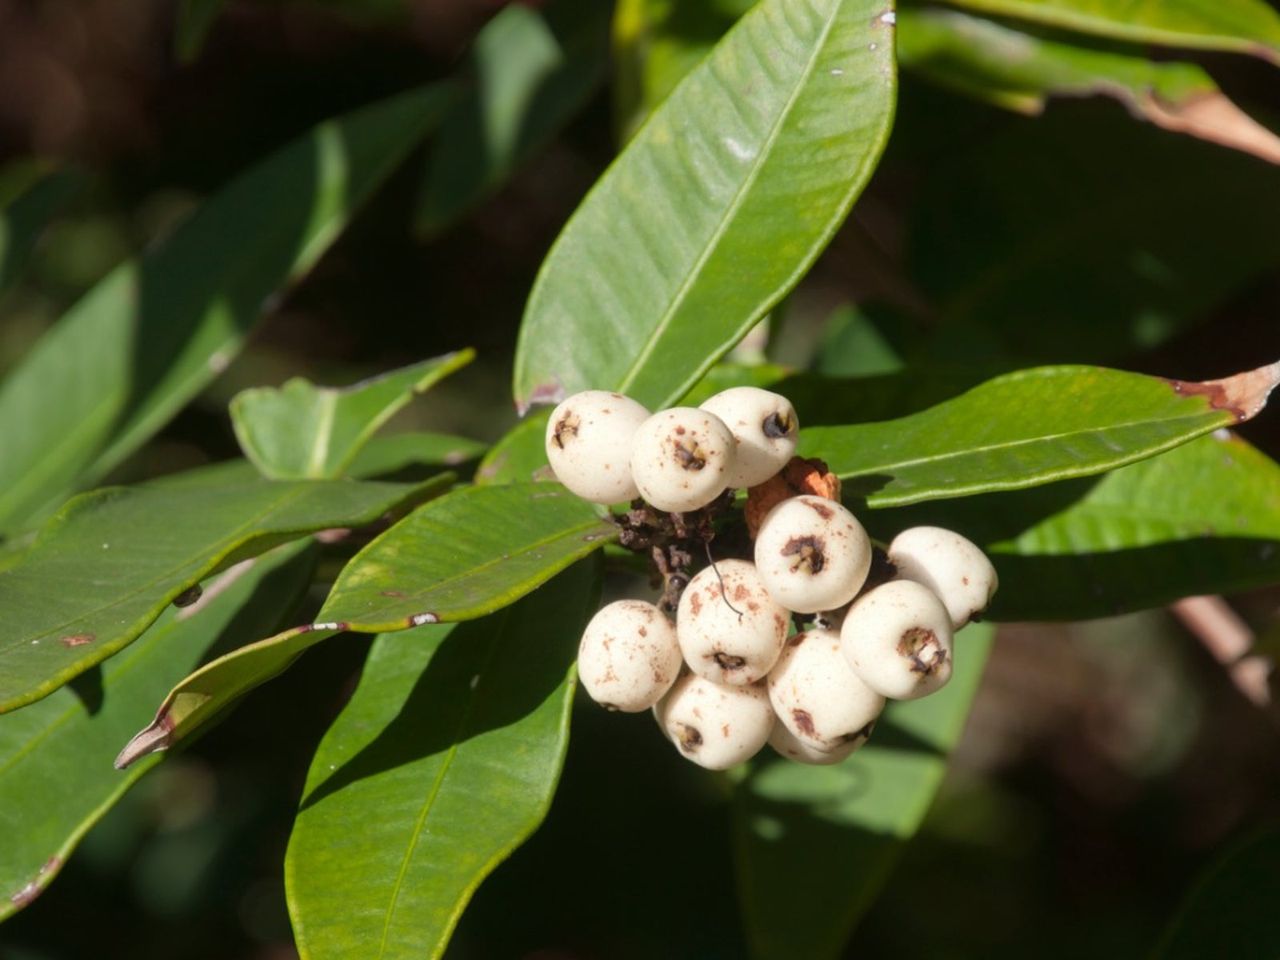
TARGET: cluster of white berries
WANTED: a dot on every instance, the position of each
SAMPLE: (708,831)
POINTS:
(725,678)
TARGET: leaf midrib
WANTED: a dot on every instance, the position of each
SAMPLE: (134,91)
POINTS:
(712,245)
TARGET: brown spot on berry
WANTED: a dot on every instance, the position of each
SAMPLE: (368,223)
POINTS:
(688,738)
(566,426)
(690,456)
(727,662)
(724,730)
(863,734)
(695,603)
(965,581)
(740,592)
(644,632)
(808,550)
(804,721)
(923,649)
(821,509)
(778,425)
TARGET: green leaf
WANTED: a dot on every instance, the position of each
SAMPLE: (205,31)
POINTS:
(304,432)
(999,246)
(815,844)
(1241,26)
(532,70)
(31,194)
(1229,913)
(150,335)
(56,778)
(520,456)
(1202,518)
(717,207)
(852,345)
(1019,70)
(455,737)
(1031,427)
(195,20)
(457,558)
(106,566)
(401,454)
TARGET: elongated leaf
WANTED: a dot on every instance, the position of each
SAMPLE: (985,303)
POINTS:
(1020,70)
(56,778)
(532,70)
(457,558)
(152,333)
(30,195)
(304,432)
(1242,26)
(1031,427)
(520,456)
(402,454)
(108,564)
(716,207)
(815,844)
(1202,518)
(1229,912)
(999,246)
(456,738)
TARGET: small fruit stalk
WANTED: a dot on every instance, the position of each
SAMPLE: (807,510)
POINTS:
(724,679)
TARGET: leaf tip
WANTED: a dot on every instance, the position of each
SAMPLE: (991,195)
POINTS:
(551,391)
(1243,395)
(156,736)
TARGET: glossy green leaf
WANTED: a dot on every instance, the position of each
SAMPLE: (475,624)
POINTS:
(303,432)
(520,456)
(1242,26)
(1028,428)
(56,778)
(106,566)
(531,70)
(457,558)
(400,455)
(455,737)
(1020,70)
(1229,913)
(815,844)
(31,193)
(1202,518)
(717,206)
(153,332)
(1000,248)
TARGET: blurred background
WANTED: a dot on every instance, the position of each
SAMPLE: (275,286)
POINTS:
(1106,765)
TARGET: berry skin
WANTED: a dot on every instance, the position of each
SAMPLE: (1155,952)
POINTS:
(817,697)
(897,639)
(681,458)
(786,744)
(764,426)
(628,658)
(729,629)
(812,554)
(952,567)
(588,442)
(716,727)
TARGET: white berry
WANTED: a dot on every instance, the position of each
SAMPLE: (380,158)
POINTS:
(764,426)
(729,629)
(818,697)
(628,657)
(785,743)
(714,726)
(897,638)
(812,554)
(952,567)
(589,442)
(680,458)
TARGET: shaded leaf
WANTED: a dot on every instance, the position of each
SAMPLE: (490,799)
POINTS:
(521,455)
(531,71)
(303,432)
(195,20)
(457,558)
(31,194)
(56,778)
(400,454)
(1031,427)
(106,566)
(1019,70)
(999,245)
(717,207)
(814,845)
(1229,913)
(456,737)
(1241,26)
(154,331)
